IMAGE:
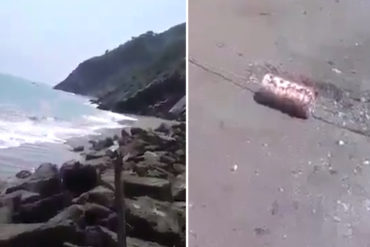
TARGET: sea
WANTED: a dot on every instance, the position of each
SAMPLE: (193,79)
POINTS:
(37,121)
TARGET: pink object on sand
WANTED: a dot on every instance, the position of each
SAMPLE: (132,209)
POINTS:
(290,97)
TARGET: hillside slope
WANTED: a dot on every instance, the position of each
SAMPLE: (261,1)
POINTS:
(136,77)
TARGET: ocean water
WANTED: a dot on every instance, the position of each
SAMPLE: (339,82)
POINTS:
(36,121)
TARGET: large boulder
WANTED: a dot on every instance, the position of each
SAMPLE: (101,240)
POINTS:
(37,235)
(45,181)
(78,178)
(41,210)
(142,186)
(99,195)
(100,164)
(75,213)
(153,220)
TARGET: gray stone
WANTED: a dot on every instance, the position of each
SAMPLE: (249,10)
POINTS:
(45,181)
(154,220)
(99,195)
(142,186)
(179,188)
(37,235)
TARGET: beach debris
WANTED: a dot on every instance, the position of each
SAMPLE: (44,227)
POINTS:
(234,168)
(264,13)
(340,142)
(293,98)
(259,231)
(337,71)
(275,208)
(366,162)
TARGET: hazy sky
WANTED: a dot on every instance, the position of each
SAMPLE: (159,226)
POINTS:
(43,40)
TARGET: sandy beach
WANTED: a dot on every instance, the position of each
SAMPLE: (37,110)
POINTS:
(258,177)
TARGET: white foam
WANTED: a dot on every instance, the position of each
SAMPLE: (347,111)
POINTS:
(48,130)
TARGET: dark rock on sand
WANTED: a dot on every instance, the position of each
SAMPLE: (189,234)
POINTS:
(23,174)
(102,144)
(78,178)
(95,154)
(78,149)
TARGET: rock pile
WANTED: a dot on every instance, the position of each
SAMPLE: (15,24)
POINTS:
(74,205)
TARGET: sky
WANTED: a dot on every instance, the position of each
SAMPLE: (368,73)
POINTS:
(43,40)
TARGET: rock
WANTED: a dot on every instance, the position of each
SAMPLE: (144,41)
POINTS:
(100,164)
(94,213)
(147,186)
(99,195)
(154,221)
(151,157)
(45,181)
(21,197)
(74,213)
(178,108)
(180,152)
(78,178)
(95,154)
(102,144)
(142,186)
(168,159)
(98,236)
(137,131)
(179,188)
(37,235)
(23,174)
(179,168)
(164,128)
(42,210)
(78,149)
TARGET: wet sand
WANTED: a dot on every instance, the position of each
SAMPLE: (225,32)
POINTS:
(258,177)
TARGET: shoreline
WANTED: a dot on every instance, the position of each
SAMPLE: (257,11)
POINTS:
(63,152)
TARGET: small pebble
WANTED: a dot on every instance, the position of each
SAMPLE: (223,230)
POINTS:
(337,71)
(340,143)
(234,168)
(366,162)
